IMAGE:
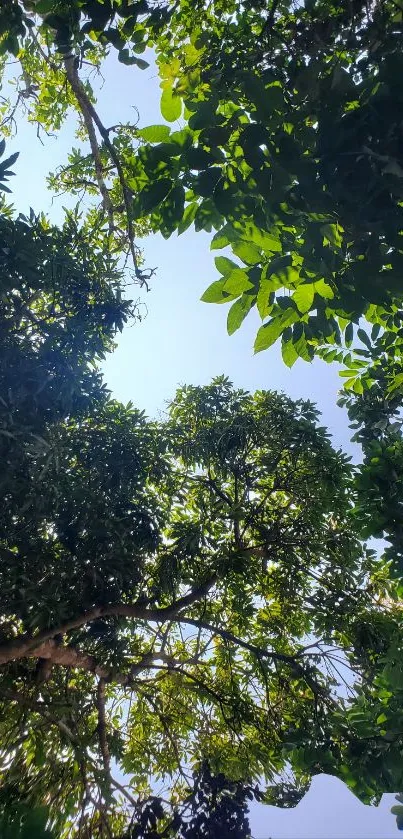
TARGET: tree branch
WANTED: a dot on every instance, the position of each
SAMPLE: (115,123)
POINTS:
(84,105)
(102,730)
(91,118)
(260,652)
(22,647)
(40,708)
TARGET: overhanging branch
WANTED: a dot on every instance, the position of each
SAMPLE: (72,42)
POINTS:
(25,645)
(92,119)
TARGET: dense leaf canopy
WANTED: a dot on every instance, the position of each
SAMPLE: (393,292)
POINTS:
(188,603)
(289,147)
(172,592)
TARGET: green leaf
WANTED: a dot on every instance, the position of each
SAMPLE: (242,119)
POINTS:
(288,353)
(182,138)
(362,335)
(248,252)
(207,181)
(43,7)
(204,116)
(172,210)
(349,383)
(5,164)
(151,196)
(303,297)
(237,282)
(349,335)
(223,198)
(188,217)
(198,158)
(141,63)
(277,265)
(332,233)
(114,37)
(154,133)
(375,331)
(274,98)
(324,289)
(266,98)
(238,312)
(397,383)
(206,216)
(215,293)
(268,242)
(300,342)
(224,265)
(269,332)
(171,105)
(254,135)
(265,298)
(223,238)
(125,57)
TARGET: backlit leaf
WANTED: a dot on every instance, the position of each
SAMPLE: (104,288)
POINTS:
(238,312)
(225,265)
(154,133)
(303,296)
(215,293)
(237,281)
(171,105)
(248,252)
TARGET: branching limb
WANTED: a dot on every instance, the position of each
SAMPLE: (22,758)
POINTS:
(22,647)
(92,120)
(84,104)
(102,729)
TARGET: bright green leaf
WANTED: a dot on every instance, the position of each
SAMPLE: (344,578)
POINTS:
(303,296)
(154,133)
(324,289)
(225,265)
(171,105)
(288,353)
(188,217)
(248,252)
(269,332)
(238,312)
(215,293)
(237,282)
(223,238)
(264,298)
(397,383)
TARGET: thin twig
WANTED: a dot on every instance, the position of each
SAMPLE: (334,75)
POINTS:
(102,729)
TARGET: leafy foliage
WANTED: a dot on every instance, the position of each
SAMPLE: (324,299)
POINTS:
(162,583)
(377,423)
(290,151)
(215,808)
(215,555)
(21,822)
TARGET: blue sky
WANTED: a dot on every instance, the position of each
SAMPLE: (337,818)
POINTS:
(182,340)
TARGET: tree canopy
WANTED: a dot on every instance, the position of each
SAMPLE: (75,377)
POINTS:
(190,602)
(288,147)
(173,592)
